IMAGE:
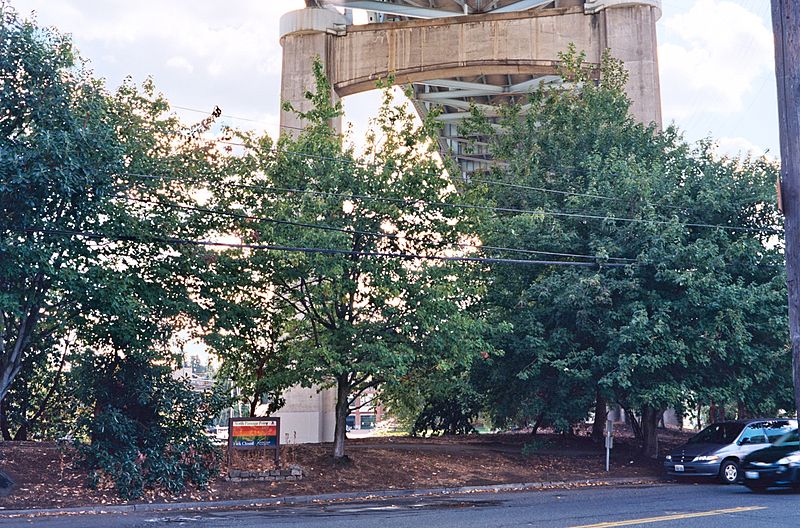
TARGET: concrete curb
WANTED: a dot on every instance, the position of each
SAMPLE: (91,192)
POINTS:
(329,497)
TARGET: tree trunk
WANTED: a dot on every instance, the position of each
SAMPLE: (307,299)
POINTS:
(4,421)
(12,360)
(635,426)
(650,418)
(536,424)
(22,433)
(342,410)
(741,411)
(600,414)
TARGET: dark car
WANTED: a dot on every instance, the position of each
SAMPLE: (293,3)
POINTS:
(718,450)
(777,466)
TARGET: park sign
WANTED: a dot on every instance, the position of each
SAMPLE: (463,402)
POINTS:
(254,433)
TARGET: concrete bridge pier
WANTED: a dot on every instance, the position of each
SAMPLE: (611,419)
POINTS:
(306,34)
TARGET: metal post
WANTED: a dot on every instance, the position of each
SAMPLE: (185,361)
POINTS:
(786,27)
(609,443)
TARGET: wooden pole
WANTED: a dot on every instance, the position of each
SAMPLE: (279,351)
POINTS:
(786,27)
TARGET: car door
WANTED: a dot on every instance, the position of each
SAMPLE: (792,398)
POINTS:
(752,438)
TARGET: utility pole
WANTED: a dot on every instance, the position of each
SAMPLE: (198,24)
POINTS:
(786,27)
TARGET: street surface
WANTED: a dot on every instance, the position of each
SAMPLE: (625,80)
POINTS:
(667,506)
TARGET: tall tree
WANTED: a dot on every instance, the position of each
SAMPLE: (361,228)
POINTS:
(372,300)
(96,250)
(58,157)
(695,292)
(250,329)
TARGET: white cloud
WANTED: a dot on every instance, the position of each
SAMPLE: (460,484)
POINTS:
(232,51)
(180,63)
(738,146)
(242,37)
(714,54)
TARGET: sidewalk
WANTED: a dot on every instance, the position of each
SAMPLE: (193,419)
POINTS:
(332,497)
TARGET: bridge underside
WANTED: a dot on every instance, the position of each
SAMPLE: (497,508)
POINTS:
(455,98)
(498,52)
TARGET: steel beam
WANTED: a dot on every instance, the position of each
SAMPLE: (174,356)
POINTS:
(522,5)
(393,9)
(462,85)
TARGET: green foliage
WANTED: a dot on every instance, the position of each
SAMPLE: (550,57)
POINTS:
(698,314)
(147,428)
(58,153)
(40,405)
(250,329)
(366,317)
(84,264)
(439,402)
(451,412)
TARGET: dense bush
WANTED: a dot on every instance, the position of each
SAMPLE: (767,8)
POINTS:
(147,428)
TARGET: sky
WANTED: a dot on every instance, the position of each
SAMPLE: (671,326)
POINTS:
(716,61)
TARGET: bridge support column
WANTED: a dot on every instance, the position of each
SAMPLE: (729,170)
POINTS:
(305,35)
(459,60)
(630,34)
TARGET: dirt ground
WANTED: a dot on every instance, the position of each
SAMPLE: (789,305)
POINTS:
(45,477)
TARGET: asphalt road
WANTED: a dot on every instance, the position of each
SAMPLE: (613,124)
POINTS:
(667,506)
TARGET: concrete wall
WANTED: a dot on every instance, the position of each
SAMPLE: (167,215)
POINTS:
(308,416)
(460,46)
(506,43)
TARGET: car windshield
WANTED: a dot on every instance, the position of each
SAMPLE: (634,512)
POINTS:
(719,433)
(789,439)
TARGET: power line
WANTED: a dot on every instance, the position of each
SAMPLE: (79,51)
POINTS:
(244,216)
(223,116)
(563,193)
(499,209)
(563,214)
(301,249)
(494,182)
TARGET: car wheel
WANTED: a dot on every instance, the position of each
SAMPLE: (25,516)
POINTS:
(729,472)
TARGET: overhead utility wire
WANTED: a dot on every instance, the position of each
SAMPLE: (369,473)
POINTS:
(548,213)
(411,202)
(489,208)
(244,216)
(223,116)
(487,182)
(352,231)
(363,165)
(301,249)
(564,193)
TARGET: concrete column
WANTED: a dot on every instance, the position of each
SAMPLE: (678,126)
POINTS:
(630,34)
(327,418)
(308,416)
(306,34)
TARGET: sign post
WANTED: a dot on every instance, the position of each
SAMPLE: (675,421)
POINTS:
(609,442)
(254,433)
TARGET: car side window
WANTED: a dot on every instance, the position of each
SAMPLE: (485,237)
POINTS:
(754,434)
(777,428)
